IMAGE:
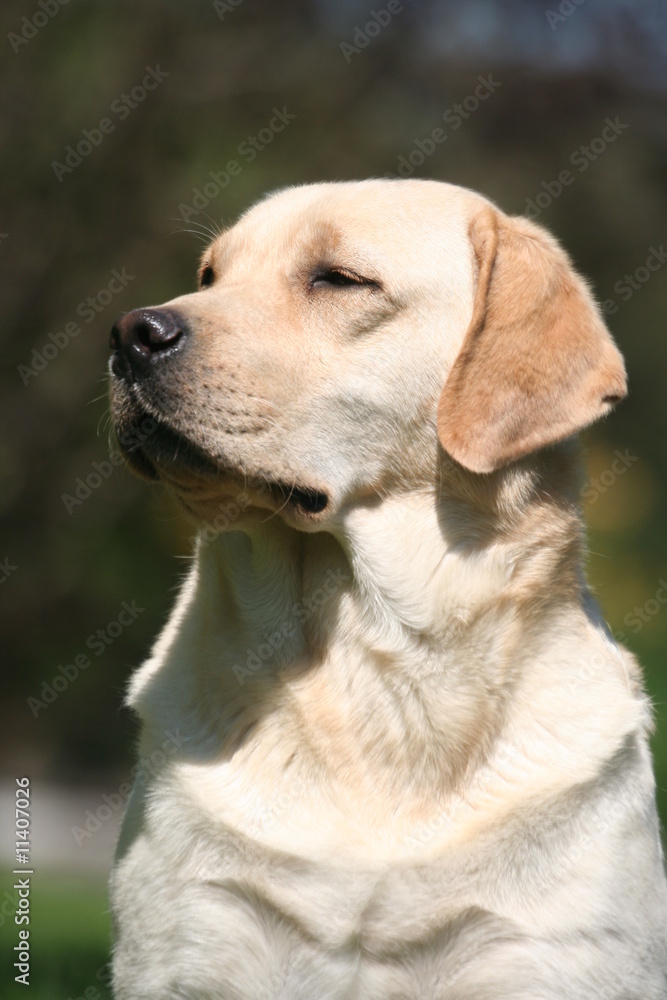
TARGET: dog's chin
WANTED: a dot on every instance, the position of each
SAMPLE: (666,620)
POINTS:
(153,450)
(210,490)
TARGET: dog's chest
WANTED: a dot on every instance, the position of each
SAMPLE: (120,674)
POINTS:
(207,904)
(209,909)
(265,924)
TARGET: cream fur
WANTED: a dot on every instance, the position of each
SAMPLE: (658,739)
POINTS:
(438,783)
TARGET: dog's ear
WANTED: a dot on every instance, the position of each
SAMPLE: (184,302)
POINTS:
(537,363)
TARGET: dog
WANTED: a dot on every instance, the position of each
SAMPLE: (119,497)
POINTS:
(406,757)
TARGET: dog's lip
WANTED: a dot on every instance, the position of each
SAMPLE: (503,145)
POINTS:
(165,452)
(308,500)
(162,450)
(139,463)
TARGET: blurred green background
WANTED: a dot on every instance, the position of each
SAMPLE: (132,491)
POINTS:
(367,90)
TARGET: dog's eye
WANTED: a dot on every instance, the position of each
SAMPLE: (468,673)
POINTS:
(338,277)
(207,277)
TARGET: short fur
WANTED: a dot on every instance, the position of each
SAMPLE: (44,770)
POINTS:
(406,757)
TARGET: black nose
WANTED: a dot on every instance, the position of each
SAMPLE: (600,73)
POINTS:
(142,337)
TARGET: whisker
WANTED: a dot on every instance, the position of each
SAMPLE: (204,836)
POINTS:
(211,232)
(193,232)
(216,228)
(101,424)
(282,506)
(96,399)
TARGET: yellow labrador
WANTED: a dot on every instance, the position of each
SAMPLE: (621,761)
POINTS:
(412,762)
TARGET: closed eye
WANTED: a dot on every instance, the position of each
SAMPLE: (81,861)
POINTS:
(339,277)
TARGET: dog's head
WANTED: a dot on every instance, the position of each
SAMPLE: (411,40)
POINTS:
(342,334)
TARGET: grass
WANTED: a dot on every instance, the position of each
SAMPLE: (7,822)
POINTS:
(70,932)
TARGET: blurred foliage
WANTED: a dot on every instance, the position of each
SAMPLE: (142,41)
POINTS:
(355,117)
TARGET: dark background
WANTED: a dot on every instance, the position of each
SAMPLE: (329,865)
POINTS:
(559,72)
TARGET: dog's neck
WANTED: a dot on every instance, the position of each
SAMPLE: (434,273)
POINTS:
(395,639)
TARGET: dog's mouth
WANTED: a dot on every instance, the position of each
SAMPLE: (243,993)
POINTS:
(151,447)
(306,499)
(155,451)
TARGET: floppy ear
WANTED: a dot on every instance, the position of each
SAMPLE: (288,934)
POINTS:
(537,363)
